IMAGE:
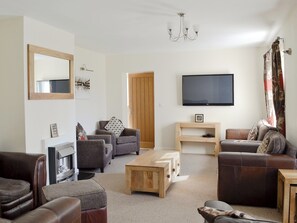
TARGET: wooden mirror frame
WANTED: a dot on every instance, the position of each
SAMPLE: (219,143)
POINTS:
(32,94)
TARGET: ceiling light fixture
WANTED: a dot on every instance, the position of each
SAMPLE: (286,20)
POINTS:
(183,30)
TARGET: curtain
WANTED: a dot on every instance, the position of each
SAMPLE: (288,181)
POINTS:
(274,88)
(268,89)
(278,88)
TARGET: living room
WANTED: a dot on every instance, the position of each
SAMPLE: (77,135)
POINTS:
(26,122)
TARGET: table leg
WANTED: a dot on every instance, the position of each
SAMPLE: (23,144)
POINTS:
(128,180)
(286,202)
(293,191)
(280,193)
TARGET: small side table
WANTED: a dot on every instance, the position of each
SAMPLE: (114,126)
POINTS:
(286,193)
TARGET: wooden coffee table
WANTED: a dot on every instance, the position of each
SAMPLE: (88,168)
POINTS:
(153,171)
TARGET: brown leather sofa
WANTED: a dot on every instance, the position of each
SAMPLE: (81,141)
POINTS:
(60,210)
(127,142)
(249,178)
(31,170)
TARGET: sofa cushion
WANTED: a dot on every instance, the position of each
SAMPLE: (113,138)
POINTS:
(80,132)
(11,189)
(273,143)
(115,125)
(253,133)
(263,128)
(126,139)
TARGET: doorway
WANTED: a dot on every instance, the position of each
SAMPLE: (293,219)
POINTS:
(141,107)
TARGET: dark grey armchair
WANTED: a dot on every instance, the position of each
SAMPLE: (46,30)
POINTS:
(127,142)
(95,152)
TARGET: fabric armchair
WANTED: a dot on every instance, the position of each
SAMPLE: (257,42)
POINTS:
(127,142)
(95,152)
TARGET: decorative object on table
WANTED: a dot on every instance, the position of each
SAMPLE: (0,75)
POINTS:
(54,130)
(199,118)
(83,83)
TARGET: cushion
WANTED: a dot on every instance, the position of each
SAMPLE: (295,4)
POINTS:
(115,125)
(253,133)
(273,143)
(126,139)
(11,189)
(90,193)
(227,219)
(80,132)
(263,128)
(210,214)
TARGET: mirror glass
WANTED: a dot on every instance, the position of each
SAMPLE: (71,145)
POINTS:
(50,74)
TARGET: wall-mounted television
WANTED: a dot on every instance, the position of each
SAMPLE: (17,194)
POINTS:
(210,89)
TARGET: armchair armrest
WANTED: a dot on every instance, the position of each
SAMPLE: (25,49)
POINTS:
(63,210)
(90,152)
(106,138)
(130,132)
(237,133)
(28,167)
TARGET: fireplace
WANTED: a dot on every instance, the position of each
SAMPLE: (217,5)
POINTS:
(61,162)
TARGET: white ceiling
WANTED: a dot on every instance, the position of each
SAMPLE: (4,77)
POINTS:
(138,26)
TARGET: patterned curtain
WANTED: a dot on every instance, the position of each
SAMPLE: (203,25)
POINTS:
(278,88)
(268,89)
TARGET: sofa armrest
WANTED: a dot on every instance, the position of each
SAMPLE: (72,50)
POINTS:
(60,210)
(237,133)
(106,138)
(250,178)
(28,167)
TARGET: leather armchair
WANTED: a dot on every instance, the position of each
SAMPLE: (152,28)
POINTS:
(30,168)
(60,210)
(96,152)
(127,142)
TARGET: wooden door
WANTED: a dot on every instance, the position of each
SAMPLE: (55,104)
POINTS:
(141,106)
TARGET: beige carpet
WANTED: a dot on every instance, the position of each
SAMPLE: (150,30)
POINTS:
(197,183)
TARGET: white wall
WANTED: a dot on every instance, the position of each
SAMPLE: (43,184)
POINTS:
(39,114)
(92,109)
(289,33)
(168,68)
(12,118)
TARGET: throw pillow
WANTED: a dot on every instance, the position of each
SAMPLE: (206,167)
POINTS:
(273,143)
(80,132)
(263,128)
(253,133)
(115,125)
(210,214)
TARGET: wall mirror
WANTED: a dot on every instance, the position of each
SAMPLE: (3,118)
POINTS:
(50,74)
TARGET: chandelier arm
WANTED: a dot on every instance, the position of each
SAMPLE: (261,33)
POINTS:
(183,31)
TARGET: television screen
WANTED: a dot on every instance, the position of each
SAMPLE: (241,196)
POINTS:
(213,89)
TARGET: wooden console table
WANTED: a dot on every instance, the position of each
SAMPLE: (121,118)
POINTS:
(212,126)
(153,171)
